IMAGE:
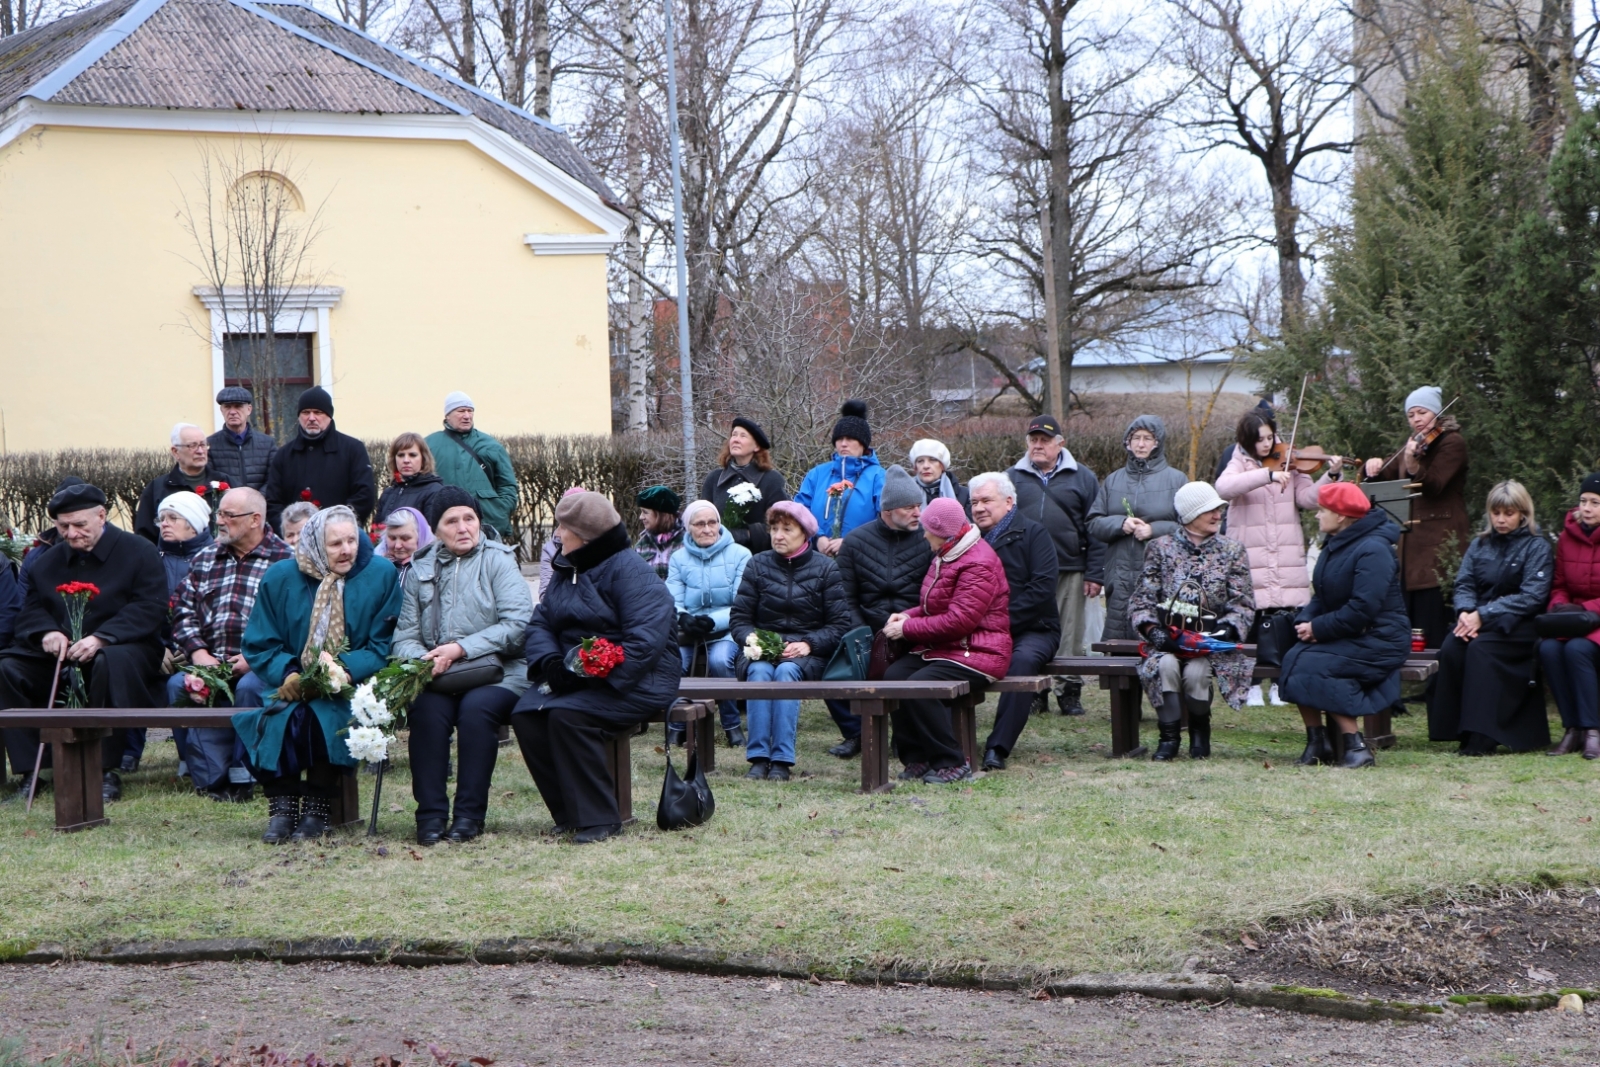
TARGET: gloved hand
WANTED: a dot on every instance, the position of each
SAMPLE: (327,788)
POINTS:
(685,629)
(1566,607)
(557,677)
(289,691)
(1160,639)
(701,624)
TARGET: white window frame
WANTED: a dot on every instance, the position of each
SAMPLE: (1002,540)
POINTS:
(304,310)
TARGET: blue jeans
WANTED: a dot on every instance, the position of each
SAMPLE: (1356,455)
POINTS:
(773,723)
(212,752)
(720,654)
(1570,672)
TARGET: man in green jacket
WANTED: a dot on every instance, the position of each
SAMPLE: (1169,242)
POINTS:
(476,462)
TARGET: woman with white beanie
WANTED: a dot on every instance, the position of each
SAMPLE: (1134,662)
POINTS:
(931,461)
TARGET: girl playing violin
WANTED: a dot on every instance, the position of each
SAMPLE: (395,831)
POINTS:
(1436,456)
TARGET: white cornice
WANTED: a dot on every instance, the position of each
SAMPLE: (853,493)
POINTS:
(497,145)
(298,298)
(570,244)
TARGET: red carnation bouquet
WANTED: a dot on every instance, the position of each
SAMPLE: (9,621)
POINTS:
(76,596)
(594,657)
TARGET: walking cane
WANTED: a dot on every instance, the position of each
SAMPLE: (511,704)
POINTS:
(38,757)
(377,791)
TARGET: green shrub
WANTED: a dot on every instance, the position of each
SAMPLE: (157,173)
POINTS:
(28,479)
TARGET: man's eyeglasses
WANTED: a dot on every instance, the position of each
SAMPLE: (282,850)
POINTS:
(234,514)
(198,446)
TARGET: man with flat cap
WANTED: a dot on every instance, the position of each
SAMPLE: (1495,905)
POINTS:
(465,456)
(320,465)
(663,530)
(240,452)
(120,652)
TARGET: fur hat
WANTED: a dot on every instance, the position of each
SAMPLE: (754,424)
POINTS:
(1194,499)
(1344,498)
(853,423)
(900,490)
(790,510)
(944,518)
(587,514)
(190,507)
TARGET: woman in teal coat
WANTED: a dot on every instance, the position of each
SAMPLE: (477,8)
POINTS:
(335,601)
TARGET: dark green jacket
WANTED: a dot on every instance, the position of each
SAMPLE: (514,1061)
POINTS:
(495,489)
(276,634)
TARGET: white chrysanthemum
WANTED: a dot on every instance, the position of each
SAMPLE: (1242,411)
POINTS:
(752,647)
(744,494)
(368,709)
(367,743)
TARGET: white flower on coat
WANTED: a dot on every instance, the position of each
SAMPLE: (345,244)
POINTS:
(367,743)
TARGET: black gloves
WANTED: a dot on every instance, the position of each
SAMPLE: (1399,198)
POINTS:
(1160,639)
(684,629)
(1565,607)
(557,678)
(694,625)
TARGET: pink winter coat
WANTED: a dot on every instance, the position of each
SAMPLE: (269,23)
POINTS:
(1265,518)
(965,612)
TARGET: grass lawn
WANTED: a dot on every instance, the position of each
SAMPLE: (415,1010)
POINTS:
(1066,861)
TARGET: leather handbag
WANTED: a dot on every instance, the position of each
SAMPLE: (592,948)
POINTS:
(685,801)
(885,650)
(464,674)
(852,659)
(1275,636)
(1567,624)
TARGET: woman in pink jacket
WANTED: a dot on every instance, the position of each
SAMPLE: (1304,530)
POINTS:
(1264,514)
(960,630)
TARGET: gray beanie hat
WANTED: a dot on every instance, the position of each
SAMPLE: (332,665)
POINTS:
(1194,499)
(587,514)
(900,490)
(1427,397)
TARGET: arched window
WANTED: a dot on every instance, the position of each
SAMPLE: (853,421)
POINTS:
(265,194)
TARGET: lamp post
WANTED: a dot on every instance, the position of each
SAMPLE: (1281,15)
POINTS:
(685,368)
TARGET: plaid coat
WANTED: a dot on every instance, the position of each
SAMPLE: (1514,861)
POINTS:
(211,606)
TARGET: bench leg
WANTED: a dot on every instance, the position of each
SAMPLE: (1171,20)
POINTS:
(619,761)
(1379,729)
(874,744)
(1124,717)
(964,717)
(705,741)
(75,754)
(345,808)
(1335,737)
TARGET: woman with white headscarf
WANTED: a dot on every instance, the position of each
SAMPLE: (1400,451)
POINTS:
(334,603)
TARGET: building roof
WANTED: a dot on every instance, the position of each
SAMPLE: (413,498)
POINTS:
(235,55)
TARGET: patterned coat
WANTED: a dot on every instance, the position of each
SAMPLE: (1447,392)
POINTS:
(1221,568)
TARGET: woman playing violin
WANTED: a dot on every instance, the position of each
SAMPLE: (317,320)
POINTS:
(1436,456)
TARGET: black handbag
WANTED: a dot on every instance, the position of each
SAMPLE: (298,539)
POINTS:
(464,674)
(852,659)
(1567,624)
(885,650)
(1275,636)
(685,801)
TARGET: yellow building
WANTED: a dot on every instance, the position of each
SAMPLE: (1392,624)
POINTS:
(454,242)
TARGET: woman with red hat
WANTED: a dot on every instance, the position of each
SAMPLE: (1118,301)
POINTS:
(1354,635)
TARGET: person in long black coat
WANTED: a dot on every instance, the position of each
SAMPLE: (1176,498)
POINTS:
(120,654)
(600,588)
(320,464)
(1354,635)
(1486,692)
(746,459)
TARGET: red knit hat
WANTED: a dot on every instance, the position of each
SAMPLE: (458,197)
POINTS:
(1344,498)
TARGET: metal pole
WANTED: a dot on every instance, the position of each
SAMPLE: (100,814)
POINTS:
(685,369)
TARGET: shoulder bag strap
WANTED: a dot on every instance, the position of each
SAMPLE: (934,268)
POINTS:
(488,472)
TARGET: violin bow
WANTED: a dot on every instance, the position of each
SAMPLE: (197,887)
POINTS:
(1288,463)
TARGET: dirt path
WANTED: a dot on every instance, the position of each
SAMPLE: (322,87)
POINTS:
(541,1014)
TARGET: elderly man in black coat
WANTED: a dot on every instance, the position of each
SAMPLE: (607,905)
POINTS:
(882,564)
(191,468)
(1028,553)
(120,652)
(563,721)
(320,465)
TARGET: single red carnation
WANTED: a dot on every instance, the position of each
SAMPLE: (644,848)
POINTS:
(223,487)
(305,494)
(202,489)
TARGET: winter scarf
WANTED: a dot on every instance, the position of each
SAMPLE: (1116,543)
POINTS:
(327,607)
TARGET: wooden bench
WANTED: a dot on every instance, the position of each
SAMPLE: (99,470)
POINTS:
(871,700)
(1118,674)
(964,710)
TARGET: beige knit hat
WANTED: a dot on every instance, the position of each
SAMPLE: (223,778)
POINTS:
(587,514)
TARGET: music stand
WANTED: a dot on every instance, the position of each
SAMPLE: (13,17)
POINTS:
(1394,497)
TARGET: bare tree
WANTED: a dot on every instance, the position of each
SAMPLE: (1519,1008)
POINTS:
(19,15)
(253,240)
(1272,84)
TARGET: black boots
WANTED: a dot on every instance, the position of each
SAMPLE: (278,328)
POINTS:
(993,760)
(429,831)
(1169,728)
(313,819)
(849,748)
(1070,699)
(737,739)
(1319,750)
(111,787)
(464,829)
(1199,728)
(1356,752)
(283,813)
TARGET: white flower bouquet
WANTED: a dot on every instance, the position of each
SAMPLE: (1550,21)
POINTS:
(741,498)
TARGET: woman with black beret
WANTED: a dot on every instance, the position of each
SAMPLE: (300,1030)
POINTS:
(745,461)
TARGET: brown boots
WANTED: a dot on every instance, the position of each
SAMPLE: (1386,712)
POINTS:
(1574,740)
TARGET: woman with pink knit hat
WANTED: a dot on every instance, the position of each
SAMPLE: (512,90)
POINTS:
(960,630)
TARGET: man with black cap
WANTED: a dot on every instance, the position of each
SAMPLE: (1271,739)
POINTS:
(1056,491)
(191,469)
(663,530)
(883,564)
(320,465)
(119,655)
(239,451)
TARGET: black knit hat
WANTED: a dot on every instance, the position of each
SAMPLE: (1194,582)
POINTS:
(659,498)
(853,423)
(1591,484)
(451,496)
(79,497)
(753,428)
(315,399)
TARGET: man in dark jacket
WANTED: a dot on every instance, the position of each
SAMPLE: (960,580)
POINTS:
(1056,491)
(191,469)
(119,655)
(320,464)
(239,451)
(883,564)
(1028,554)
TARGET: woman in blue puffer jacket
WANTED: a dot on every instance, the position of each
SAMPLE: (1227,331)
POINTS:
(703,577)
(853,462)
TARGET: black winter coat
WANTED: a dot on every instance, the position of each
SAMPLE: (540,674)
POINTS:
(245,464)
(1062,508)
(130,608)
(882,571)
(413,492)
(1028,554)
(174,481)
(1359,619)
(800,599)
(715,489)
(10,600)
(333,469)
(606,590)
(1506,579)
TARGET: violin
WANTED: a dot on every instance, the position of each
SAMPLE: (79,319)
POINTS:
(1307,460)
(1427,437)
